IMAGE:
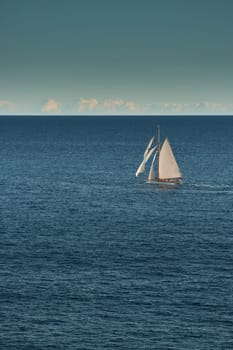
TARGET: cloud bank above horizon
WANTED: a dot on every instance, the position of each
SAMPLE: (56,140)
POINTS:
(118,106)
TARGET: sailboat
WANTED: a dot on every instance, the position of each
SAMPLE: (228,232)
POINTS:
(168,170)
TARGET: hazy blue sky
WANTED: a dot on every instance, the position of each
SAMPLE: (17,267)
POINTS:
(116,56)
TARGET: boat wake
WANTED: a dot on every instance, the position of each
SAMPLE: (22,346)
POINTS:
(209,188)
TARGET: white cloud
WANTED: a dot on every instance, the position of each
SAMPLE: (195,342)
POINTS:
(112,105)
(172,107)
(132,106)
(5,103)
(51,106)
(7,106)
(120,105)
(198,108)
(87,104)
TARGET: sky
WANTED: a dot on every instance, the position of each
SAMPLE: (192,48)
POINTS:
(147,57)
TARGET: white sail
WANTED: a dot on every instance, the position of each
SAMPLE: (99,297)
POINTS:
(168,167)
(141,167)
(151,176)
(149,146)
(149,154)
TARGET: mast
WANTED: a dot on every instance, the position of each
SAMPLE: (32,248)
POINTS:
(158,148)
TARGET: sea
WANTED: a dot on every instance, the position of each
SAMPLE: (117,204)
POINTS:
(92,257)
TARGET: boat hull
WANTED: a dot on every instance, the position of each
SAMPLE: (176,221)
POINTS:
(178,180)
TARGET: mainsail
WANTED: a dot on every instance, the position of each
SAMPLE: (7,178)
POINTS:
(168,167)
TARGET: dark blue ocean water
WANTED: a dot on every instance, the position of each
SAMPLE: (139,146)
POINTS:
(92,257)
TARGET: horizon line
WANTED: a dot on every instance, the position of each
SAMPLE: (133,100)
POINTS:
(114,115)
